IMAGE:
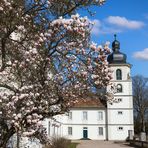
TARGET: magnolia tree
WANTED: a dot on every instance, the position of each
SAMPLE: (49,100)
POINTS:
(46,62)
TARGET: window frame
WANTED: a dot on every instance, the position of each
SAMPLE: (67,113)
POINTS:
(120,112)
(49,124)
(70,115)
(69,130)
(100,131)
(100,115)
(85,116)
(119,99)
(118,74)
(119,90)
(120,128)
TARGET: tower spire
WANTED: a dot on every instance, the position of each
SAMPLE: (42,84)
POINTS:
(115,36)
(115,44)
(116,56)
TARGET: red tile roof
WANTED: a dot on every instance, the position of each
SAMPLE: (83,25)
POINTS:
(89,101)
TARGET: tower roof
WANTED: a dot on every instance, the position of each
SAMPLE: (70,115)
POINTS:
(116,57)
(115,45)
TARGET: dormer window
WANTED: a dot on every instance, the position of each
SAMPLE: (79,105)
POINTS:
(119,88)
(118,74)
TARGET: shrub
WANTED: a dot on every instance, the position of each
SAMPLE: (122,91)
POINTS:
(59,142)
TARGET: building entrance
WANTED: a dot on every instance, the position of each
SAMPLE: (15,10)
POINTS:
(85,132)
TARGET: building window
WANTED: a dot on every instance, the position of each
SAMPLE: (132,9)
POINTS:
(100,115)
(120,112)
(100,131)
(54,129)
(120,128)
(118,74)
(70,115)
(119,88)
(49,128)
(69,130)
(85,115)
(119,99)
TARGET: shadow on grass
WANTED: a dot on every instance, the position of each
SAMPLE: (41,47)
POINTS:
(73,145)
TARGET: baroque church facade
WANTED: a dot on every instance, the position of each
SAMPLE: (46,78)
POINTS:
(91,119)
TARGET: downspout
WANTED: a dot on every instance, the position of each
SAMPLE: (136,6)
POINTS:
(106,123)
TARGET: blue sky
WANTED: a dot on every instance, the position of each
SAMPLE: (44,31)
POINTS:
(129,20)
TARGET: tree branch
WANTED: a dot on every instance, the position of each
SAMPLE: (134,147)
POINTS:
(9,87)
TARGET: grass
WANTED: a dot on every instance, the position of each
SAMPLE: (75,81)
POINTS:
(73,145)
(61,142)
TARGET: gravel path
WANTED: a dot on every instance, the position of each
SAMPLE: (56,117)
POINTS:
(101,144)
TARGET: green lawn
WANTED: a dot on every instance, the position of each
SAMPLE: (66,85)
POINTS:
(73,145)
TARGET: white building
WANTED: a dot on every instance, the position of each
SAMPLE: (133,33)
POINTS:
(92,119)
(85,120)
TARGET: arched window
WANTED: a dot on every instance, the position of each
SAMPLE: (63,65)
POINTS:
(118,74)
(119,88)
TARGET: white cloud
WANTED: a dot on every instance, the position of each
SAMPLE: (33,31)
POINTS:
(142,55)
(102,28)
(96,27)
(124,22)
(114,24)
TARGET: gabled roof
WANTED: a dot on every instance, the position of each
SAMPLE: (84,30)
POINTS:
(83,103)
(89,101)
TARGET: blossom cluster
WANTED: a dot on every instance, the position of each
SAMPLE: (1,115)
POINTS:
(46,61)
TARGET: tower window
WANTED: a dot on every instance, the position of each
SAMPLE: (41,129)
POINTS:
(120,128)
(119,99)
(118,74)
(119,88)
(120,112)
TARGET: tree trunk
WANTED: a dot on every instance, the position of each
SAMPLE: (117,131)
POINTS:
(6,137)
(18,140)
(142,123)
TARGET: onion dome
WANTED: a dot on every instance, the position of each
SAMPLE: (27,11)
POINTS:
(116,57)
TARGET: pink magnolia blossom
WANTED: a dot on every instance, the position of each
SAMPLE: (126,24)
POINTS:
(46,62)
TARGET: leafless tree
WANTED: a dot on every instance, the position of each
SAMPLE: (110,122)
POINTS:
(140,94)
